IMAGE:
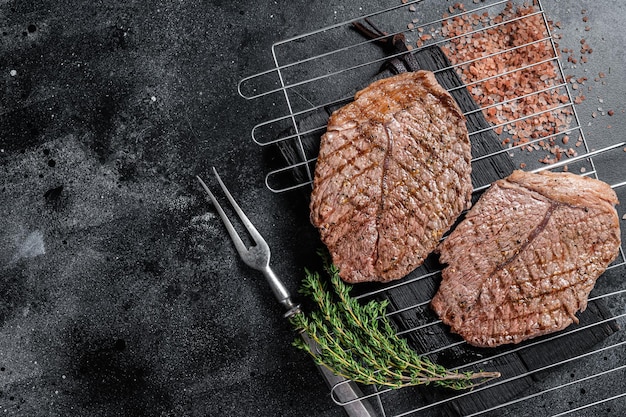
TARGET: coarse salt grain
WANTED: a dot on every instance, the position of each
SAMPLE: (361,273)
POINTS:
(498,55)
(503,68)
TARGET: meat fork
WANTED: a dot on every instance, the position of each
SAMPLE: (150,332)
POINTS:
(257,256)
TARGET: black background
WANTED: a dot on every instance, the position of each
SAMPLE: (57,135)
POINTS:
(120,292)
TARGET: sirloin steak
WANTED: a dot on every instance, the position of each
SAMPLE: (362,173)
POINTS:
(392,176)
(526,256)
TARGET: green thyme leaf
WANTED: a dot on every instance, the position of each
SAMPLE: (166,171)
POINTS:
(359,342)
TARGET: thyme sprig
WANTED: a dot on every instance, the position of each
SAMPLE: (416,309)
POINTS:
(358,342)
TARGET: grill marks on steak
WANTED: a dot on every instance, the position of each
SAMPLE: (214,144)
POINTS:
(392,176)
(526,256)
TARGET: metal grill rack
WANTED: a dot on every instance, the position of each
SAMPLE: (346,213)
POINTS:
(320,70)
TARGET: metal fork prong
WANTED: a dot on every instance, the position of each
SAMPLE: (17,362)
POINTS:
(239,245)
(257,256)
(254,233)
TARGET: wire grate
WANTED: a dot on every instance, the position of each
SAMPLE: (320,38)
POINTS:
(320,70)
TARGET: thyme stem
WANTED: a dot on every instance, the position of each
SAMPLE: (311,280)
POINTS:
(358,342)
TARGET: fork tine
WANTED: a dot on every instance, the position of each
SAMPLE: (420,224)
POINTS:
(254,233)
(239,245)
(258,258)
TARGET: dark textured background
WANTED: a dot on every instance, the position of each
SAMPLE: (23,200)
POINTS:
(120,293)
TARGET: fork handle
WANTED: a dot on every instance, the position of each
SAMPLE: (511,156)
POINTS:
(280,291)
(348,394)
(347,391)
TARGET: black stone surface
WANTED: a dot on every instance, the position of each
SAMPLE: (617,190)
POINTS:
(120,292)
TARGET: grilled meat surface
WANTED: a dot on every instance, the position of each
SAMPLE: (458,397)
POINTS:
(526,256)
(392,176)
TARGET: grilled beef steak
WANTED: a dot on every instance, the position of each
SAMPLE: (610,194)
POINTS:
(392,176)
(526,256)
